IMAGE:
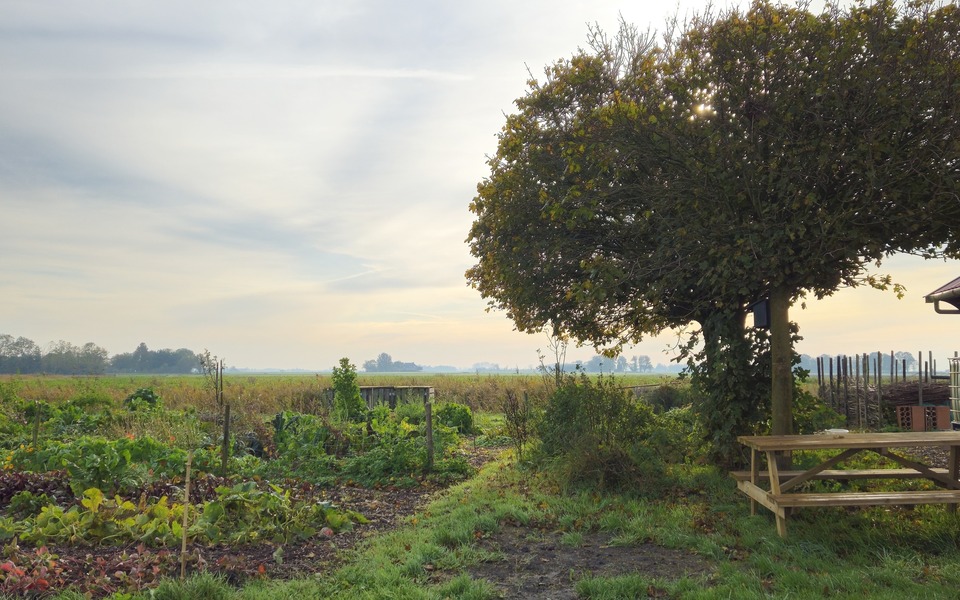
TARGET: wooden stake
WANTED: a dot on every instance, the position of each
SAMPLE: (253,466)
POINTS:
(428,417)
(186,523)
(225,450)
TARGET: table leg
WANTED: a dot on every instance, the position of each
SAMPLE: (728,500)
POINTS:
(774,471)
(754,476)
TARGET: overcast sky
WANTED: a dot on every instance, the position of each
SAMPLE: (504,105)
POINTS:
(287,183)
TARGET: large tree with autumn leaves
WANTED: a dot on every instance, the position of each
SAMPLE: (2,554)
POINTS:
(769,153)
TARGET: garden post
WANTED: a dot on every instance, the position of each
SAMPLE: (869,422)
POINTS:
(428,417)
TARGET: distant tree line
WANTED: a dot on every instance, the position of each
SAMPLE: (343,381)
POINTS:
(23,356)
(620,364)
(384,363)
(144,360)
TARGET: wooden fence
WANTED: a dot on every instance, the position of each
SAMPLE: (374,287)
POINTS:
(867,394)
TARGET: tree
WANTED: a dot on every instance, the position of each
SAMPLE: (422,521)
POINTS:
(64,358)
(144,360)
(92,359)
(20,355)
(642,364)
(767,154)
(384,362)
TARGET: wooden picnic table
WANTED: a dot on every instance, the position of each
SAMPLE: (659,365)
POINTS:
(782,490)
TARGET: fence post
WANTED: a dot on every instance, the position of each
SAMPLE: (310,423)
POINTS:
(225,450)
(428,417)
(36,424)
(186,523)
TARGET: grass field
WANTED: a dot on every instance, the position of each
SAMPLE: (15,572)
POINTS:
(271,393)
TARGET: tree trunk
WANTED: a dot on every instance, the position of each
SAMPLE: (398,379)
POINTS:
(781,377)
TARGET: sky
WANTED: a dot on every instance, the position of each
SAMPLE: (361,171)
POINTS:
(286,183)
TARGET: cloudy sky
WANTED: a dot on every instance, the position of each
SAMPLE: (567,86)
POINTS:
(287,182)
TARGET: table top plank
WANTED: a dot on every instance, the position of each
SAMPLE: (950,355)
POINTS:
(765,443)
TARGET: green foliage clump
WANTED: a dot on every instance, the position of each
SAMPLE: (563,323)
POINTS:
(678,436)
(457,416)
(27,504)
(143,399)
(412,412)
(241,513)
(810,414)
(112,465)
(396,452)
(520,418)
(75,418)
(666,397)
(597,434)
(245,513)
(296,433)
(347,402)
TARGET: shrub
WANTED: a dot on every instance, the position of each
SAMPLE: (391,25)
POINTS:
(678,436)
(457,416)
(597,434)
(411,412)
(27,504)
(520,417)
(143,399)
(811,415)
(347,402)
(666,397)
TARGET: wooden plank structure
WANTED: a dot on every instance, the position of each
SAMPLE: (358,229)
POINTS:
(781,490)
(393,394)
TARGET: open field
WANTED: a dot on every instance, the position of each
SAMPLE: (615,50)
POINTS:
(271,393)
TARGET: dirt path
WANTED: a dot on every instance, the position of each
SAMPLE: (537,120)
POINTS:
(539,566)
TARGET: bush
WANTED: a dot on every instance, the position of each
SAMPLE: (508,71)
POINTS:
(597,434)
(143,399)
(678,436)
(666,397)
(520,419)
(811,415)
(347,402)
(411,412)
(457,416)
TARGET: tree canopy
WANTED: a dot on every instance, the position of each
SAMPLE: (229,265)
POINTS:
(770,153)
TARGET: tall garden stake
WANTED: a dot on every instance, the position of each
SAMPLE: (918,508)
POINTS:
(225,451)
(36,423)
(186,510)
(428,417)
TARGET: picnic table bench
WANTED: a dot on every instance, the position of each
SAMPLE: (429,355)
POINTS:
(781,492)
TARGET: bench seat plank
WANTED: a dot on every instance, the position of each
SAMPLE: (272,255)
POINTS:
(867,498)
(840,474)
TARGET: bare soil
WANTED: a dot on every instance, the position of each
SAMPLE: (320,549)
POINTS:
(539,566)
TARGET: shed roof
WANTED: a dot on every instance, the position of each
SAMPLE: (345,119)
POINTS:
(949,293)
